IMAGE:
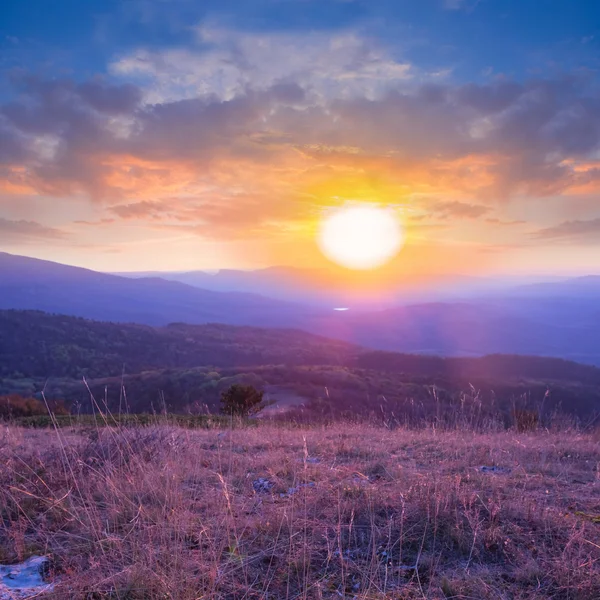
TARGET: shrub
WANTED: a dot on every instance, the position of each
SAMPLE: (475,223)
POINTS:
(14,406)
(525,420)
(241,400)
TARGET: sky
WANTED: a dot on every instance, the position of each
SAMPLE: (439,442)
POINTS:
(179,135)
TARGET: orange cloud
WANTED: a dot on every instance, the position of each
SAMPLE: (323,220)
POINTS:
(13,180)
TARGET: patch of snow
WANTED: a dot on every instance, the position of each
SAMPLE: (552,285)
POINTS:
(23,580)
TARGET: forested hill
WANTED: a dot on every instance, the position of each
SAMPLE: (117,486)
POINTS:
(38,345)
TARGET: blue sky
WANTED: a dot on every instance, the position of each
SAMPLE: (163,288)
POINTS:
(215,126)
(514,37)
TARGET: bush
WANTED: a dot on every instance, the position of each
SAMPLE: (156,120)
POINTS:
(15,406)
(525,420)
(241,401)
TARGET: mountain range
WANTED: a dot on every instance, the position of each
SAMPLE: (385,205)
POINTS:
(28,283)
(335,287)
(556,318)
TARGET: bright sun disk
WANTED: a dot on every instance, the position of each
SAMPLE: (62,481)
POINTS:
(360,237)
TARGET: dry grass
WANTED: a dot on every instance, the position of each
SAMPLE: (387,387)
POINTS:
(352,512)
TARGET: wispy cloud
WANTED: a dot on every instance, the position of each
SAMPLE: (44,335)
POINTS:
(146,209)
(454,4)
(505,223)
(575,231)
(455,209)
(227,63)
(27,231)
(468,5)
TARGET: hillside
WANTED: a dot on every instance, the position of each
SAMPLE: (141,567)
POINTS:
(184,368)
(37,344)
(576,287)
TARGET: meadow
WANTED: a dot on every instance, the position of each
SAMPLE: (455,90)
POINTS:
(346,510)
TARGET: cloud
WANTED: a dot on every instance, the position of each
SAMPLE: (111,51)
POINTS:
(112,100)
(140,210)
(58,129)
(496,221)
(454,4)
(533,136)
(27,231)
(228,62)
(456,209)
(573,231)
(103,221)
(198,128)
(229,214)
(67,144)
(59,106)
(468,5)
(248,131)
(13,144)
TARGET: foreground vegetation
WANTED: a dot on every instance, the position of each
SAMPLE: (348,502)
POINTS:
(343,511)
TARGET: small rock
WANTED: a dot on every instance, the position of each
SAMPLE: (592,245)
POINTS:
(262,486)
(494,469)
(311,460)
(294,490)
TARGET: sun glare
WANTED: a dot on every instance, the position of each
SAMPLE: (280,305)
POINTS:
(360,237)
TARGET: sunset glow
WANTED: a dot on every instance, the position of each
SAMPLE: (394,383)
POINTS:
(176,137)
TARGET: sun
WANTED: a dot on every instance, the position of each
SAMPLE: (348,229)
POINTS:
(360,236)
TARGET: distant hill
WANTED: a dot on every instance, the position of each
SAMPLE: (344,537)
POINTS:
(329,288)
(32,284)
(546,327)
(577,287)
(282,283)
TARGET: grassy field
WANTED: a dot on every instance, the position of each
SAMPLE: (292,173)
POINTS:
(344,511)
(125,420)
